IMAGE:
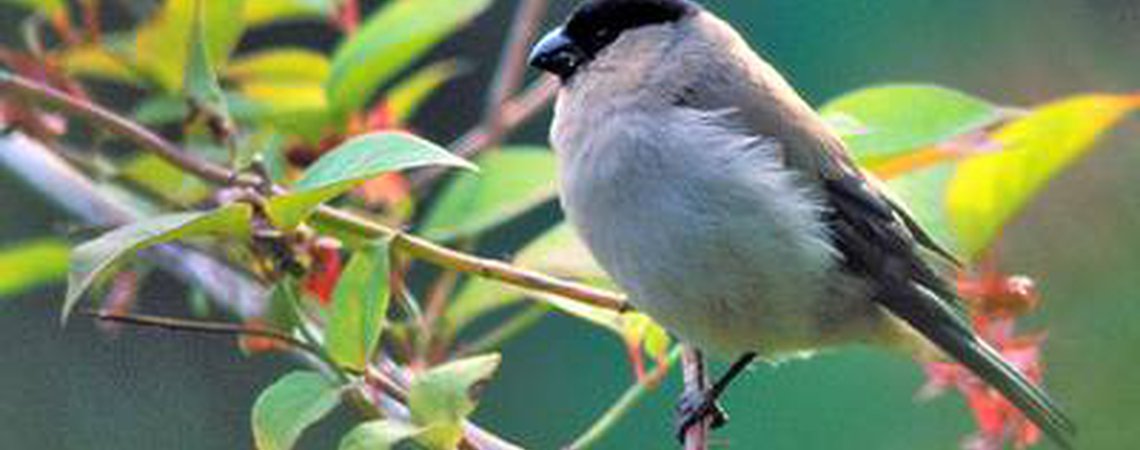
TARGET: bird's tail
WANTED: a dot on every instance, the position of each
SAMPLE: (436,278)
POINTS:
(959,342)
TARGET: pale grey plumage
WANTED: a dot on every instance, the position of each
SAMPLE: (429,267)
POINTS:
(722,203)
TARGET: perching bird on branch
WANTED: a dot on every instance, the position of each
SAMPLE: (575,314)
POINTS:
(720,201)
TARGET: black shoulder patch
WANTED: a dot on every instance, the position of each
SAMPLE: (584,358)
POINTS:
(598,23)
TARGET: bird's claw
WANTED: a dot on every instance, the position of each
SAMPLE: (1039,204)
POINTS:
(694,408)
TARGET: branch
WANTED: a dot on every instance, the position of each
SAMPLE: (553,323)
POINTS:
(206,170)
(49,97)
(49,174)
(59,182)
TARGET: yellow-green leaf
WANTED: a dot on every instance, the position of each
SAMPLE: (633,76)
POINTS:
(260,12)
(378,435)
(894,119)
(388,41)
(281,65)
(352,163)
(443,397)
(32,264)
(990,189)
(47,8)
(291,405)
(360,307)
(156,175)
(91,261)
(510,182)
(98,62)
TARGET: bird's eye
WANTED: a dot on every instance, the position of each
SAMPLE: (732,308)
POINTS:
(604,33)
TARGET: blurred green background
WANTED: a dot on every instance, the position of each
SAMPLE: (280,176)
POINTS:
(79,388)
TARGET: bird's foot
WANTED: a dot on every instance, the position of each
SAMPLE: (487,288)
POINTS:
(694,408)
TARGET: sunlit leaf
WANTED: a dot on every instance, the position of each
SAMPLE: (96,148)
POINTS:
(282,65)
(360,306)
(990,189)
(298,108)
(32,264)
(98,61)
(405,98)
(396,35)
(509,183)
(442,398)
(378,435)
(291,405)
(894,119)
(47,8)
(260,12)
(94,259)
(156,175)
(162,43)
(352,163)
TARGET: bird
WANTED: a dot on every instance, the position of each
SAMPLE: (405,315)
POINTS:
(726,208)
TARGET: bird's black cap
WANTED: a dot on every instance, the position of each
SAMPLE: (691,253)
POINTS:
(596,24)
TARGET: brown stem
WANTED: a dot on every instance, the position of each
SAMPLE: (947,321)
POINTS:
(696,383)
(512,66)
(49,97)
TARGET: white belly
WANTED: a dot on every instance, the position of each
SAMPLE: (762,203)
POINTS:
(705,230)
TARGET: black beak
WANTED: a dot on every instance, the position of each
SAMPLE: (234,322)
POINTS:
(558,54)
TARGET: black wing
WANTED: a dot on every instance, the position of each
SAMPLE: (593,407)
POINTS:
(878,247)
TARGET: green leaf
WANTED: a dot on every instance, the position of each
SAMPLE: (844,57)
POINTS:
(360,307)
(405,98)
(47,8)
(991,189)
(282,65)
(91,261)
(442,398)
(353,163)
(32,264)
(378,435)
(162,44)
(262,12)
(156,175)
(388,41)
(895,119)
(200,82)
(288,407)
(923,191)
(509,183)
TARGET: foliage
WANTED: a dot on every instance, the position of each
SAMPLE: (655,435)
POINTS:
(327,138)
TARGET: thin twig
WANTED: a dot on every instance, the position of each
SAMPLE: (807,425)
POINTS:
(219,328)
(512,65)
(518,110)
(206,170)
(696,383)
(49,97)
(622,407)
